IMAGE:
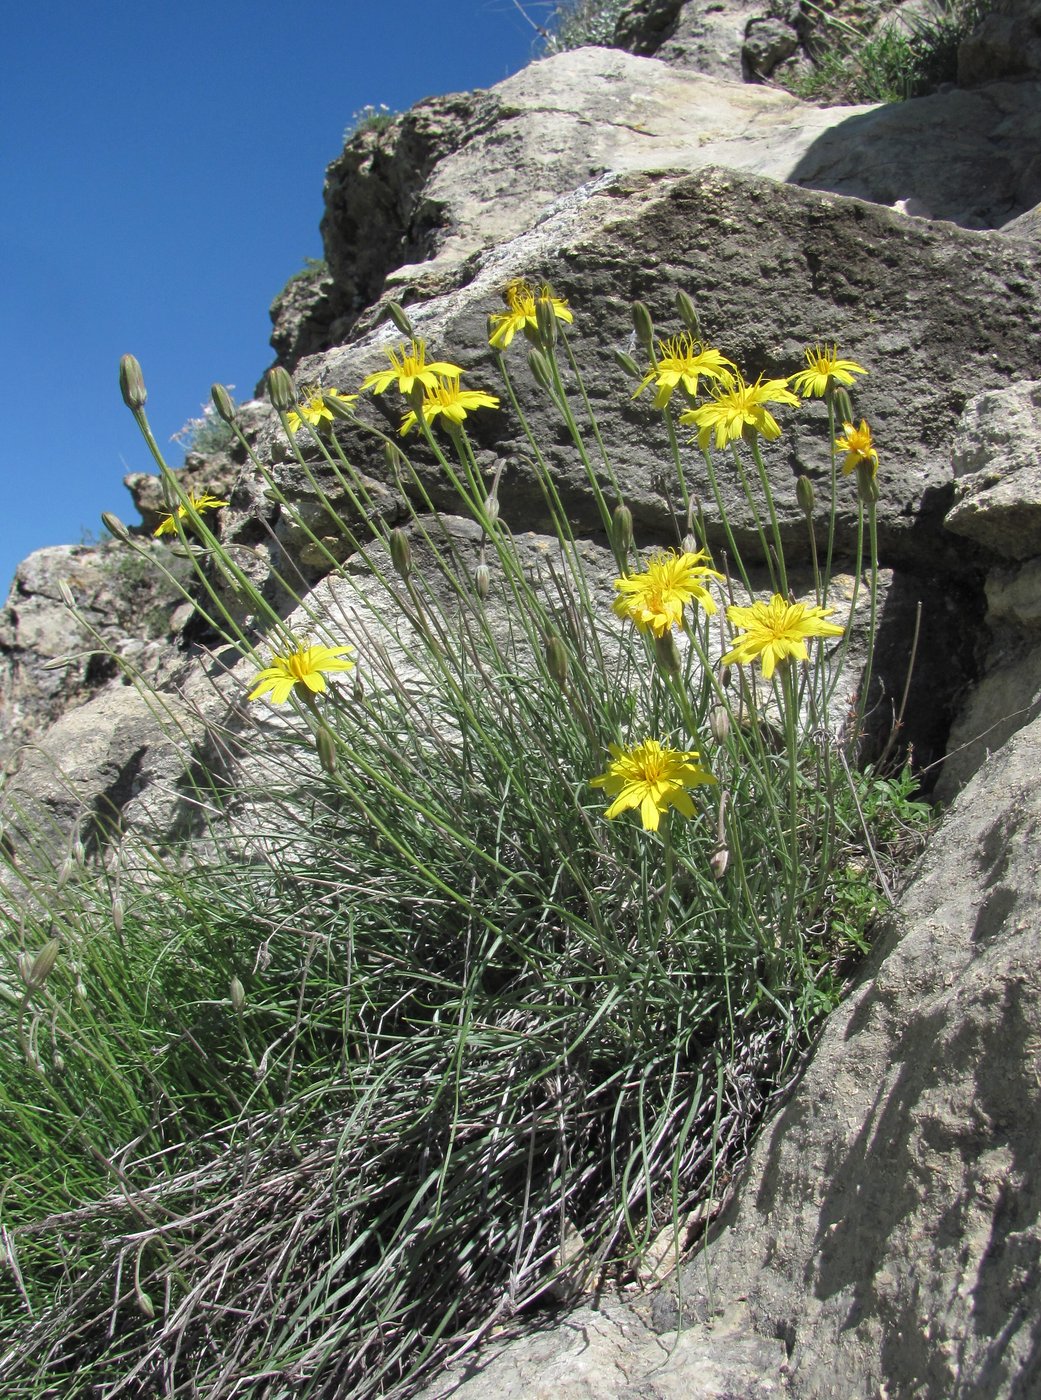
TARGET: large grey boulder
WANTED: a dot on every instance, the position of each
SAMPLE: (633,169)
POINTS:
(889,1229)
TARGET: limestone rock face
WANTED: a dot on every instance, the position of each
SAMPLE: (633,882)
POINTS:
(1006,43)
(890,1230)
(122,599)
(997,469)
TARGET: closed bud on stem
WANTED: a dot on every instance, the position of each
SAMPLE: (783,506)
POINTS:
(718,862)
(483,581)
(66,594)
(667,653)
(400,552)
(115,526)
(358,689)
(145,1303)
(132,383)
(688,313)
(117,914)
(643,325)
(237,993)
(628,364)
(725,677)
(280,389)
(719,723)
(491,507)
(804,495)
(689,544)
(556,659)
(394,457)
(43,964)
(867,484)
(546,322)
(843,406)
(396,312)
(622,528)
(64,872)
(326,745)
(540,370)
(79,853)
(222,402)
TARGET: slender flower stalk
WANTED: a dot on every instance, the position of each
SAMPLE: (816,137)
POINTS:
(304,668)
(652,778)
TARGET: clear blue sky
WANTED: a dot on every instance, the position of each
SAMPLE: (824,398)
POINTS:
(162,167)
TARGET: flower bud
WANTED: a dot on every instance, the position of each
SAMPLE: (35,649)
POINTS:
(358,689)
(326,746)
(396,312)
(339,405)
(726,676)
(540,370)
(546,321)
(718,862)
(667,653)
(66,594)
(132,383)
(58,1061)
(643,325)
(393,457)
(237,993)
(688,313)
(556,659)
(43,964)
(144,1303)
(719,723)
(64,872)
(622,528)
(628,364)
(280,389)
(115,526)
(867,483)
(491,507)
(400,552)
(804,494)
(117,914)
(222,402)
(843,406)
(689,544)
(483,581)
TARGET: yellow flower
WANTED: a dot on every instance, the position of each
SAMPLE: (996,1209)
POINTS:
(313,408)
(521,299)
(824,368)
(681,361)
(652,778)
(655,599)
(447,399)
(200,503)
(736,405)
(303,667)
(858,447)
(777,630)
(409,370)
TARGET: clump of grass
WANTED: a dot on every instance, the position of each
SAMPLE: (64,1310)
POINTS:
(491,950)
(852,65)
(208,434)
(372,117)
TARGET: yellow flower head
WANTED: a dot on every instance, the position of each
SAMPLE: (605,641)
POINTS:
(451,402)
(736,406)
(652,778)
(521,316)
(777,630)
(680,362)
(304,667)
(823,370)
(313,407)
(408,368)
(199,503)
(655,599)
(858,447)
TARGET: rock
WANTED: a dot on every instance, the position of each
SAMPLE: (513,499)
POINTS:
(213,474)
(768,42)
(124,602)
(703,38)
(889,1228)
(1006,43)
(302,314)
(997,469)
